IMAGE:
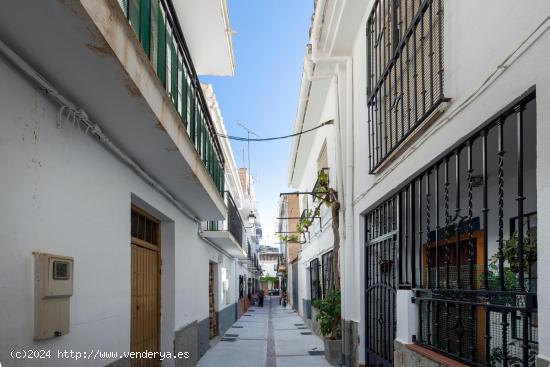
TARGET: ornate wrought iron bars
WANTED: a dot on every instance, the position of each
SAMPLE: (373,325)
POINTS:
(467,243)
(405,70)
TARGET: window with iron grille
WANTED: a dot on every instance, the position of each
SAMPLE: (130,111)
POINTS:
(315,283)
(405,70)
(467,243)
(327,272)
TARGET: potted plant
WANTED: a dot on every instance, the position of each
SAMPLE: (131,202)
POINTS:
(329,319)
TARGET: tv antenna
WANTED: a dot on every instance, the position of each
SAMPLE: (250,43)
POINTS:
(248,132)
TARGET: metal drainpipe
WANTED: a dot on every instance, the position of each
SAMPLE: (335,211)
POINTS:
(95,130)
(345,182)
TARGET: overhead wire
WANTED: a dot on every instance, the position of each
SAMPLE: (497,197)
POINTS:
(242,138)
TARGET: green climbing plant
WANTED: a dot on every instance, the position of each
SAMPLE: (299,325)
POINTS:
(330,313)
(330,307)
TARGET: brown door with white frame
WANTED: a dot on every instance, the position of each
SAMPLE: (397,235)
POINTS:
(212,301)
(145,305)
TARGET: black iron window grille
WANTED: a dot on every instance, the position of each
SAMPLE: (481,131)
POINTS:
(315,284)
(467,243)
(405,70)
(326,260)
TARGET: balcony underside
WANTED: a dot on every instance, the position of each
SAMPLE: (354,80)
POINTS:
(88,51)
(227,242)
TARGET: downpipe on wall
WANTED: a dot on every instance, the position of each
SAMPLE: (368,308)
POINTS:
(349,252)
(346,177)
(80,117)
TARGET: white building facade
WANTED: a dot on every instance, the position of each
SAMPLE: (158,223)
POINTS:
(113,165)
(438,111)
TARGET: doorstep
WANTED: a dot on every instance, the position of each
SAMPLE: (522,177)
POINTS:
(434,356)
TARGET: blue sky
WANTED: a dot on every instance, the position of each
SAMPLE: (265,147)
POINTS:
(269,49)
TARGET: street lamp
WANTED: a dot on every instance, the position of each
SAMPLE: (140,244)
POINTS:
(251,220)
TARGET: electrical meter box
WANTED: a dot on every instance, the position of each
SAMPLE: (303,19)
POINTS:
(53,288)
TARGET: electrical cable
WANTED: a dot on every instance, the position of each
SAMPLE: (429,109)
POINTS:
(240,138)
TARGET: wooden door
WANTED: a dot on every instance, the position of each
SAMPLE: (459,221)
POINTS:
(145,305)
(212,302)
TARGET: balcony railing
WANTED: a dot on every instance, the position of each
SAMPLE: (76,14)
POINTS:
(233,224)
(157,28)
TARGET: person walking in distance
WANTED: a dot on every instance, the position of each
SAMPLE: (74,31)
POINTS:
(261,296)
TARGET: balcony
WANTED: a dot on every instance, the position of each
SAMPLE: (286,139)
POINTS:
(130,71)
(228,234)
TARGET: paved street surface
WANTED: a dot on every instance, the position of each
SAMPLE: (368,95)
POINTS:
(271,336)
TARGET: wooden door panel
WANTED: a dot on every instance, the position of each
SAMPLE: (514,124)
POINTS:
(212,302)
(145,303)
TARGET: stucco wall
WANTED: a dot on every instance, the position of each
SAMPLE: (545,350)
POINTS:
(478,38)
(63,193)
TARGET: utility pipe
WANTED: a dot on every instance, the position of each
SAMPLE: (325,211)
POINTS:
(346,187)
(96,131)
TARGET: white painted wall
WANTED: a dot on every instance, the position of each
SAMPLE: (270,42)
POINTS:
(63,193)
(479,37)
(320,239)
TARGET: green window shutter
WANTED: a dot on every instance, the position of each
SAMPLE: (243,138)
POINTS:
(134,16)
(145,18)
(215,172)
(197,126)
(210,156)
(203,137)
(180,89)
(174,71)
(161,58)
(205,145)
(199,130)
(184,94)
(206,139)
(192,131)
(124,6)
(154,36)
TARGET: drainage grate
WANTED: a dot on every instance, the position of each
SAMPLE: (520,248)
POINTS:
(231,335)
(316,352)
(302,327)
(237,327)
(306,333)
(247,315)
(299,324)
(228,339)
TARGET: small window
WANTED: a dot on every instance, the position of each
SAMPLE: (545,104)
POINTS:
(145,228)
(314,279)
(322,160)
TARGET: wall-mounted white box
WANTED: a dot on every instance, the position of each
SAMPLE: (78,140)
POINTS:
(53,287)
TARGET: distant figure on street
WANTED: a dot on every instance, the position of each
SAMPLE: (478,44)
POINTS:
(282,299)
(261,296)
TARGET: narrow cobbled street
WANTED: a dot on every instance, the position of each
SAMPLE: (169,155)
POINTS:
(269,336)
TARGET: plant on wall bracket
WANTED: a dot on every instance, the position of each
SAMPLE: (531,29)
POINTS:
(323,194)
